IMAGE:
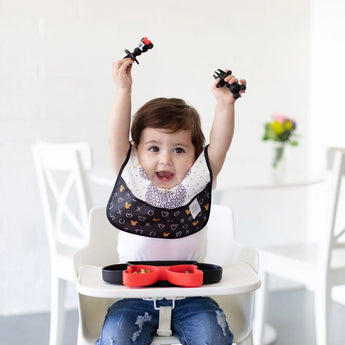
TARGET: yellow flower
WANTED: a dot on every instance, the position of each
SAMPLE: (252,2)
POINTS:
(277,127)
(288,124)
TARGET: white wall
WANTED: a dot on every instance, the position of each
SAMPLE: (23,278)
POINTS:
(327,110)
(326,120)
(55,84)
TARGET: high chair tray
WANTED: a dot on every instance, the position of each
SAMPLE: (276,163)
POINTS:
(162,273)
(236,278)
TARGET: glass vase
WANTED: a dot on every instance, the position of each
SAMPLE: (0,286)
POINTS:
(278,155)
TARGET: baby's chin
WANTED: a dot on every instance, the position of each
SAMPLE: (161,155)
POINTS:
(165,186)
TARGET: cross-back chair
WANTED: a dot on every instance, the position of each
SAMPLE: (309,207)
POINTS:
(63,187)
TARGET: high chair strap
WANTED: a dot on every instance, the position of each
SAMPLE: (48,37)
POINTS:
(164,326)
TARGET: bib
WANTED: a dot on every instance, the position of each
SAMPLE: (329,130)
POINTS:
(138,207)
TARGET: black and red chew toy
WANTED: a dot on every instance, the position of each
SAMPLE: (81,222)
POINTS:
(144,45)
(235,88)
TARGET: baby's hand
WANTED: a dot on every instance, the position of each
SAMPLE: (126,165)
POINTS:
(121,73)
(223,93)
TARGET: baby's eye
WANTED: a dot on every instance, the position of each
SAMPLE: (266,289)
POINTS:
(179,150)
(154,149)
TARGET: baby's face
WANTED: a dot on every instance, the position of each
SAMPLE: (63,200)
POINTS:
(166,157)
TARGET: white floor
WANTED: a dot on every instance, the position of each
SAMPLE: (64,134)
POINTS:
(291,314)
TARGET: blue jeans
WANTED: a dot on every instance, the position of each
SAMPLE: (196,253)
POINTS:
(194,321)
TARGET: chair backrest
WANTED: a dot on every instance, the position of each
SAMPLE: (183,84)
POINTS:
(333,239)
(101,249)
(64,190)
(222,248)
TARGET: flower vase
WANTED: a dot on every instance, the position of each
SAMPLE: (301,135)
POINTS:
(278,161)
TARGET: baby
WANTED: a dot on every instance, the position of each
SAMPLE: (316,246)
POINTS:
(161,201)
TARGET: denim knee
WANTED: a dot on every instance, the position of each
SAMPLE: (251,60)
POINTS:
(128,322)
(200,321)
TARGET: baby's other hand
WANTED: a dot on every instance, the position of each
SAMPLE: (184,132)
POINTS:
(223,93)
(122,73)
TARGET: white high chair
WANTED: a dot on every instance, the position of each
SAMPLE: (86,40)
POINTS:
(234,293)
(60,170)
(318,266)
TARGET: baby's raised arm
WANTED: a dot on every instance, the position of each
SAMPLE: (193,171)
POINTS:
(223,124)
(120,116)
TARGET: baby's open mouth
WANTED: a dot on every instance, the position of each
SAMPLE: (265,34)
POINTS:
(165,175)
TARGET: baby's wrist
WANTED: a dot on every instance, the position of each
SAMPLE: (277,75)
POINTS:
(225,101)
(124,90)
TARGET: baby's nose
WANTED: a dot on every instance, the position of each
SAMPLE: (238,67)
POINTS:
(165,158)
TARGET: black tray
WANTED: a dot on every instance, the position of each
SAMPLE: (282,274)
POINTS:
(113,273)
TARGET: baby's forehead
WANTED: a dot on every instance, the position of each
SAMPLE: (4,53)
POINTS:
(164,134)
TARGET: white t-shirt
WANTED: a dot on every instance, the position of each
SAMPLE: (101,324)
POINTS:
(141,248)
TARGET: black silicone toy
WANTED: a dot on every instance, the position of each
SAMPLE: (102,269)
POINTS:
(144,45)
(235,88)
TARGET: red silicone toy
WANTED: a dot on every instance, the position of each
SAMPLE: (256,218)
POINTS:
(144,275)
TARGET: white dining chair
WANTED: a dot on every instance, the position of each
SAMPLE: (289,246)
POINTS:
(222,250)
(319,266)
(63,187)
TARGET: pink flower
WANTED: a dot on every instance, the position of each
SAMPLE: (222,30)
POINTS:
(279,117)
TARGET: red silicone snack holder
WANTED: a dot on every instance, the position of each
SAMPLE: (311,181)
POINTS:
(181,275)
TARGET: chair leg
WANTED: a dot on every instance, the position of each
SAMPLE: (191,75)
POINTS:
(247,341)
(57,310)
(322,301)
(260,312)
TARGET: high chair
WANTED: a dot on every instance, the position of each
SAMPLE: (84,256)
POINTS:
(60,169)
(319,266)
(234,293)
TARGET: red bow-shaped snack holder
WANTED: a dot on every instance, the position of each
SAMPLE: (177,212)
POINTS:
(145,275)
